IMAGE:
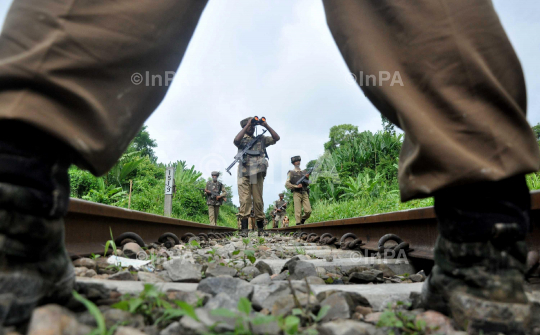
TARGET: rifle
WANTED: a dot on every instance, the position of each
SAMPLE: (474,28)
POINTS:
(240,156)
(274,212)
(304,180)
(213,195)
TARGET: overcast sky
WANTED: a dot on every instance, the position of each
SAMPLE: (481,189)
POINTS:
(277,59)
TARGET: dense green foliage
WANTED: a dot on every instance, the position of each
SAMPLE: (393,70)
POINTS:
(148,191)
(357,175)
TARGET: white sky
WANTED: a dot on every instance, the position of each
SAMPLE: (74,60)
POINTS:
(277,59)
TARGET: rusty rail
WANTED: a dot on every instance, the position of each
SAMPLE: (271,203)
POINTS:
(87,226)
(418,227)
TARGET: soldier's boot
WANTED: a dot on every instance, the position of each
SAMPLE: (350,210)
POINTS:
(34,195)
(480,258)
(245,228)
(260,227)
(303,221)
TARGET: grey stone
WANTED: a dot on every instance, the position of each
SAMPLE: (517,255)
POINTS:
(266,296)
(191,298)
(270,328)
(80,271)
(285,305)
(290,264)
(416,278)
(321,271)
(250,271)
(387,272)
(172,329)
(86,262)
(148,277)
(183,271)
(220,270)
(281,276)
(264,267)
(302,270)
(206,320)
(131,250)
(128,331)
(340,307)
(53,319)
(221,300)
(122,275)
(90,273)
(263,279)
(234,287)
(312,280)
(347,327)
(362,277)
(115,316)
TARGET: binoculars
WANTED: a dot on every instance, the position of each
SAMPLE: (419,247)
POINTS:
(256,121)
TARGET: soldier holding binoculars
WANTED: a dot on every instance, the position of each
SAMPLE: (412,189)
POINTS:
(252,170)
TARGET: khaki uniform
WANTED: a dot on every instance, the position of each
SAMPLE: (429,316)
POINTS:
(300,195)
(82,71)
(251,178)
(279,215)
(213,205)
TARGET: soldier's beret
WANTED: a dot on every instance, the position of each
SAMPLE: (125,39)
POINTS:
(295,159)
(215,173)
(281,195)
(245,121)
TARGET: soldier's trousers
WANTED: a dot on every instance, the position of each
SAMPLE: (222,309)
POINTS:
(277,221)
(301,200)
(250,190)
(82,71)
(213,214)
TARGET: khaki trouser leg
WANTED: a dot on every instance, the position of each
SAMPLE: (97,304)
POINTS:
(278,220)
(297,199)
(257,193)
(250,191)
(69,68)
(216,213)
(306,205)
(244,197)
(212,214)
(463,101)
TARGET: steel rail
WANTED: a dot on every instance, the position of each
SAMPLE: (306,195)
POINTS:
(418,227)
(87,226)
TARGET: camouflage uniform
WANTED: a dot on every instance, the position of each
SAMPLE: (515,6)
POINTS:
(251,176)
(279,215)
(300,195)
(213,204)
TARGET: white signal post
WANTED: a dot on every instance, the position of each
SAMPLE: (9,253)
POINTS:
(169,186)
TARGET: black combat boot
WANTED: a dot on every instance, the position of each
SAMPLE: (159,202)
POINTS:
(245,228)
(34,196)
(303,221)
(480,257)
(260,227)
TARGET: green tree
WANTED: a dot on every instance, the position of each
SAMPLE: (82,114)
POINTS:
(388,127)
(536,130)
(340,135)
(144,144)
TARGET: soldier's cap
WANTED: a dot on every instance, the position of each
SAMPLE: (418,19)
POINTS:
(295,159)
(215,173)
(245,121)
(281,195)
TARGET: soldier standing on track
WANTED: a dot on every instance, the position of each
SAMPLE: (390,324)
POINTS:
(252,171)
(215,200)
(300,192)
(279,214)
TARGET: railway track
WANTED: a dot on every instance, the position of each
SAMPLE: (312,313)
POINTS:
(89,225)
(413,231)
